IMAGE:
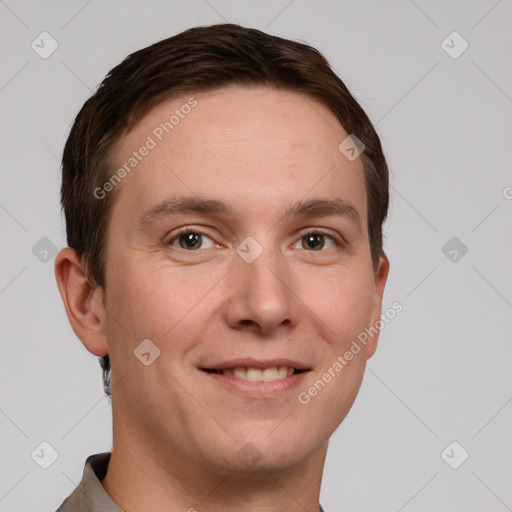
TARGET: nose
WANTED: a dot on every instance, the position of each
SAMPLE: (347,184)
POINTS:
(261,296)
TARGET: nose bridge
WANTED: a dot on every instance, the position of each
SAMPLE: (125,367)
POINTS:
(266,272)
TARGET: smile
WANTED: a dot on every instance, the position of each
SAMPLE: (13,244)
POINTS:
(252,374)
(264,382)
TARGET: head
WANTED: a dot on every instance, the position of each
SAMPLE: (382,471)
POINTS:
(230,133)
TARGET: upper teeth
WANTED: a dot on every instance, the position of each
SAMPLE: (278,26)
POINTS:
(257,374)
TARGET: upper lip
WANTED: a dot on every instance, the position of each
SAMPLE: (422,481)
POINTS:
(257,363)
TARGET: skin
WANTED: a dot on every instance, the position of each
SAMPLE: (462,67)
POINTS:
(176,433)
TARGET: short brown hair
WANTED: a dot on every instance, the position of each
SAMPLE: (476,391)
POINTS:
(197,60)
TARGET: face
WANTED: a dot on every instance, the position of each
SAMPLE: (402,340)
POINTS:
(238,245)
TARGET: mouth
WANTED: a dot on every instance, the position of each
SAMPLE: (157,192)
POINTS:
(256,374)
(257,378)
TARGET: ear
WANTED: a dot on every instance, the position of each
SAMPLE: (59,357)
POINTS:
(381,276)
(83,303)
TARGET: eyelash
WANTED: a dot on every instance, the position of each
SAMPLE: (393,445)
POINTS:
(188,230)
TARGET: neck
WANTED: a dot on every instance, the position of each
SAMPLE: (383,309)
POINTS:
(142,475)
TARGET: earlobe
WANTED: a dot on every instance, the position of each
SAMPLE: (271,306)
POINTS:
(381,277)
(83,303)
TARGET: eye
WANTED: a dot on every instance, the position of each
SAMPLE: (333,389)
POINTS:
(191,241)
(316,241)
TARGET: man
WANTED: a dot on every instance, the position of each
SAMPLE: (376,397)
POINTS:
(224,198)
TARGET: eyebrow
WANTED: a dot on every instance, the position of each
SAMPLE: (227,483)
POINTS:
(182,205)
(187,204)
(325,207)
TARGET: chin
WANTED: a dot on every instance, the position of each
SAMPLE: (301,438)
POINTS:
(258,455)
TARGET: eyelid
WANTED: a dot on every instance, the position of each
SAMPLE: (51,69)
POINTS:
(338,240)
(170,239)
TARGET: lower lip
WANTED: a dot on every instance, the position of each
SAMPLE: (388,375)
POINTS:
(259,389)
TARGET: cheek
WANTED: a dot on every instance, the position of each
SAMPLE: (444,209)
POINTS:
(342,304)
(157,300)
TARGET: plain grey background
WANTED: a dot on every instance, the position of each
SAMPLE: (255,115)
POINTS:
(442,370)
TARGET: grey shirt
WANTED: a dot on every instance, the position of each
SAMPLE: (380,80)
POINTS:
(90,496)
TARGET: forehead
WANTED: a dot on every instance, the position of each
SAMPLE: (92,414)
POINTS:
(259,145)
